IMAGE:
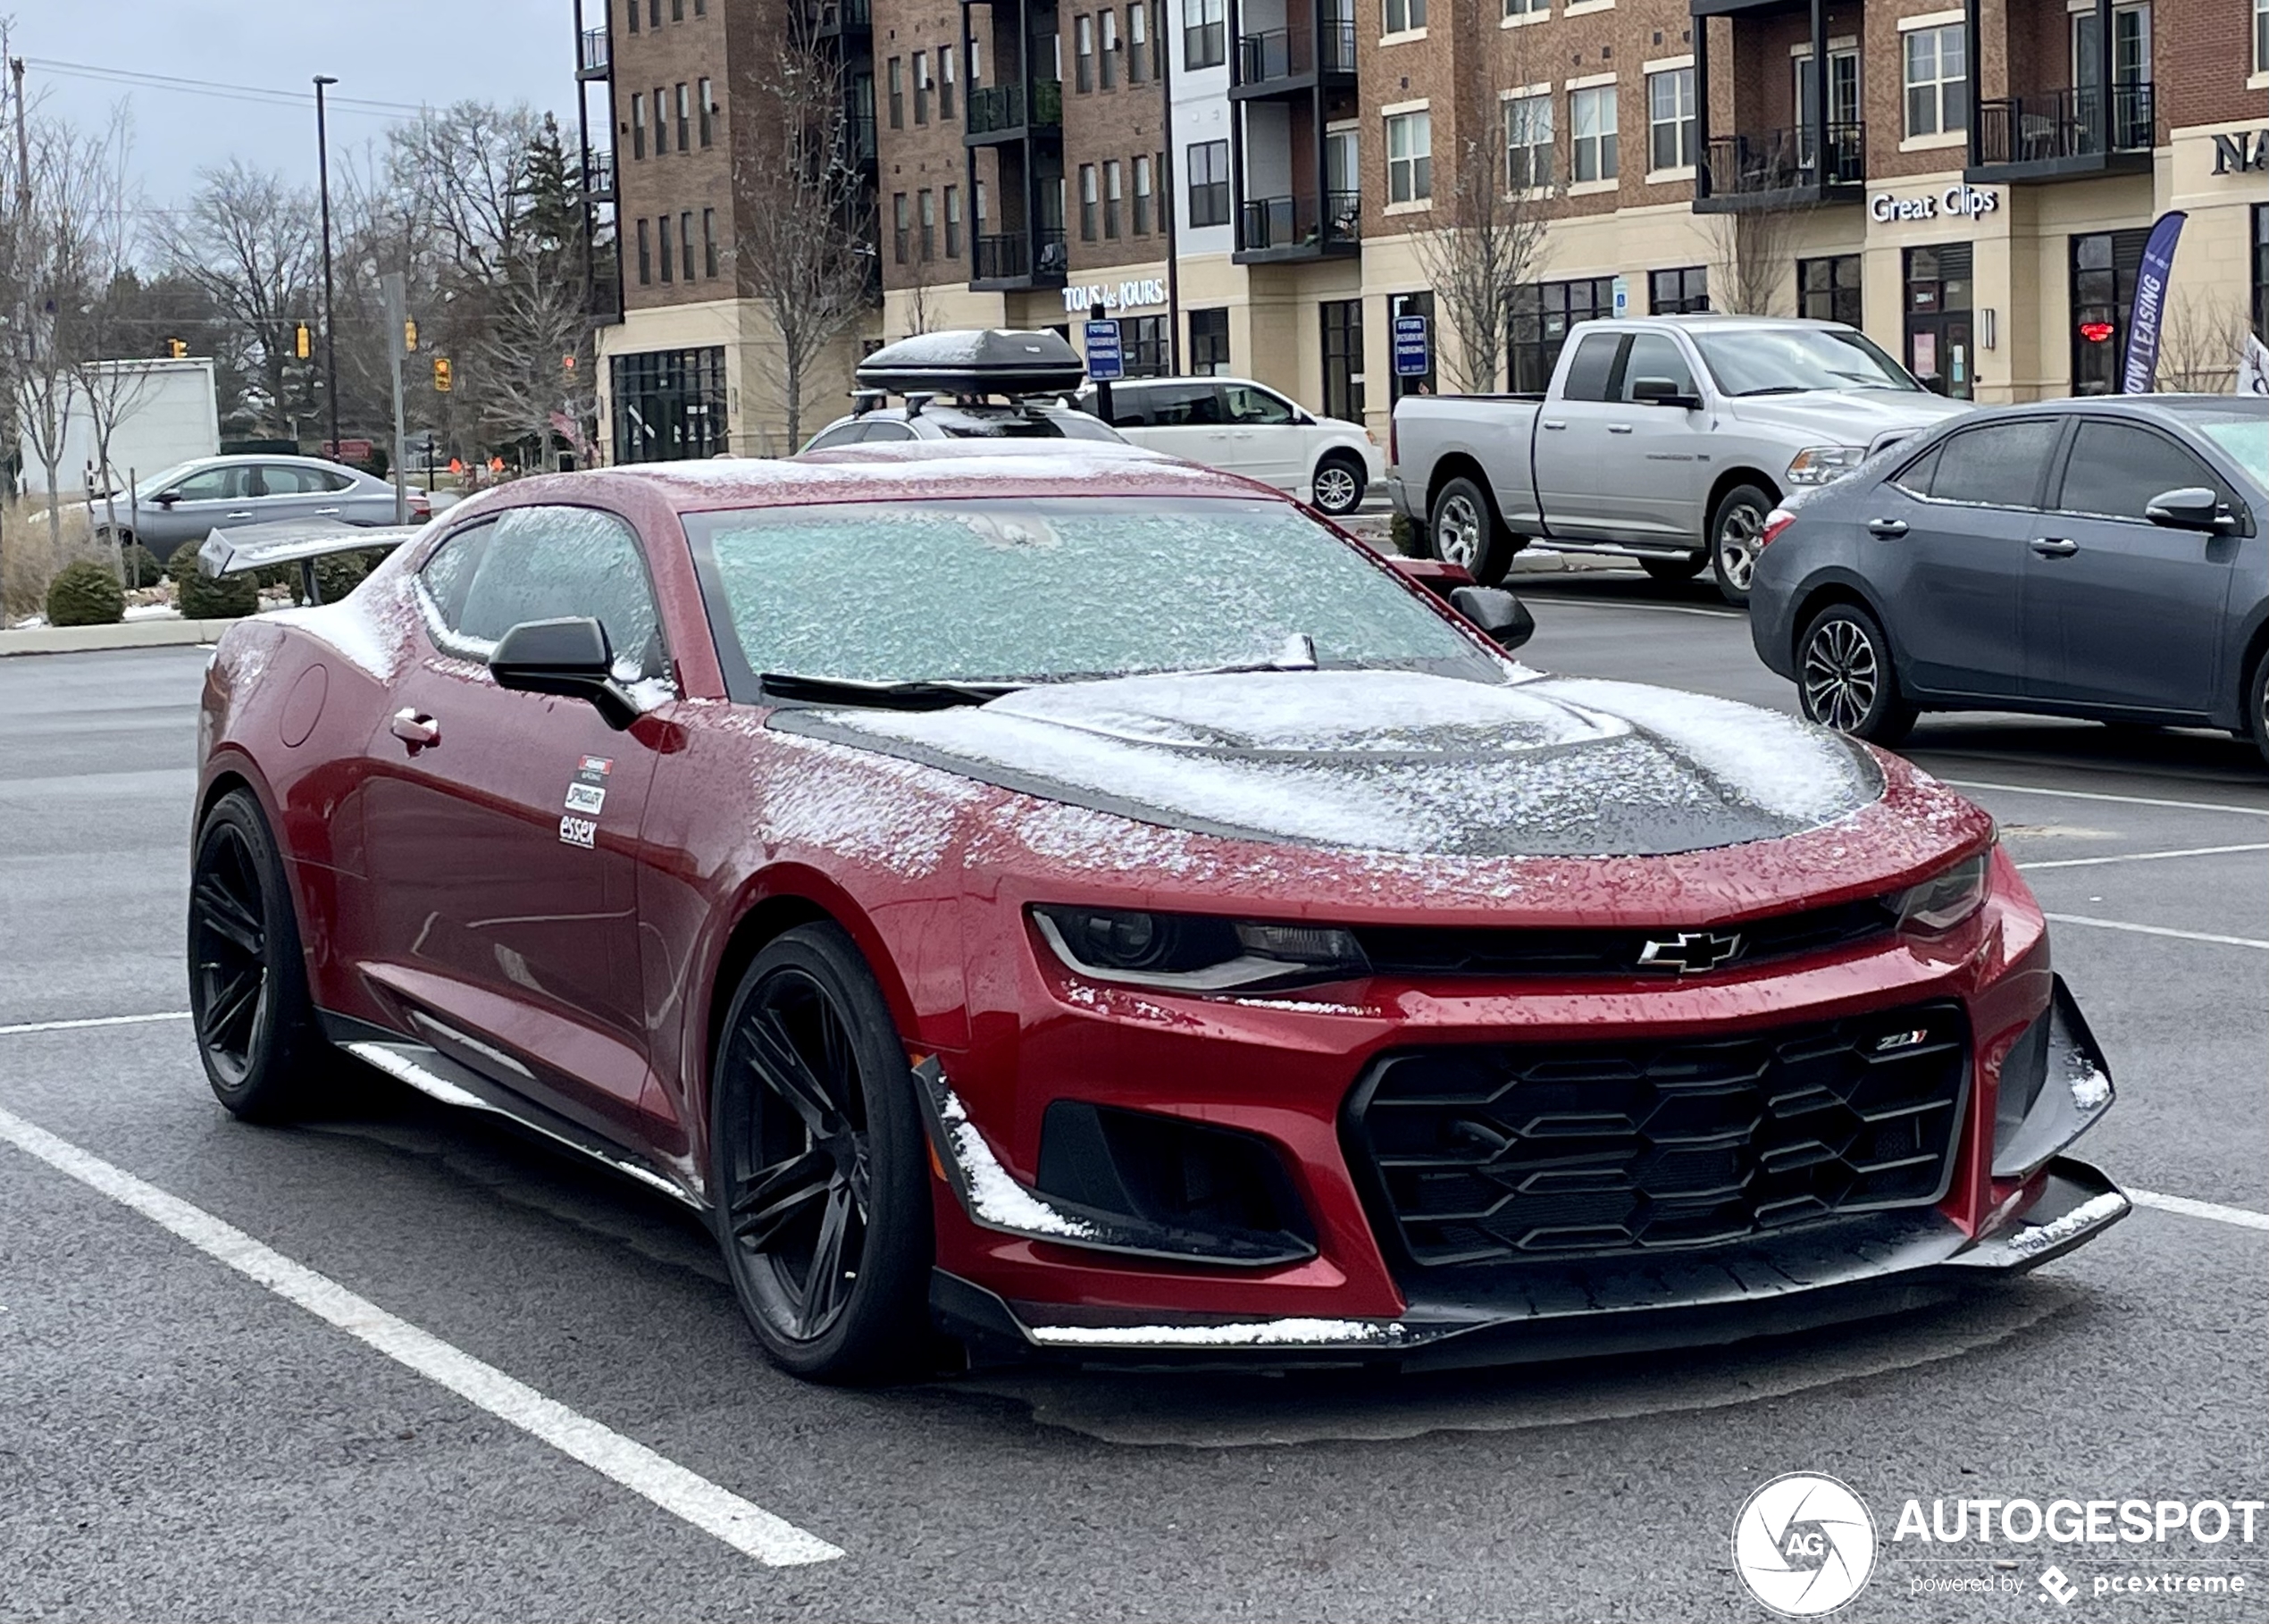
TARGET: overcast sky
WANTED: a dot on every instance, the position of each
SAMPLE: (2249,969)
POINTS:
(400,52)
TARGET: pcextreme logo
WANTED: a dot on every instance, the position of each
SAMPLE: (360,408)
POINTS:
(1804,1545)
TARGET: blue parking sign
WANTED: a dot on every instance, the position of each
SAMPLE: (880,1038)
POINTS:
(1104,362)
(1414,346)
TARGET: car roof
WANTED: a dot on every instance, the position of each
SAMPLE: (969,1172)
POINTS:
(2159,408)
(905,470)
(231,458)
(1726,322)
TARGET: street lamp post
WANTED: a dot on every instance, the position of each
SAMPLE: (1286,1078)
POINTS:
(330,324)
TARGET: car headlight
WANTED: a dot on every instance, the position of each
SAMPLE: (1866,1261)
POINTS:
(1817,465)
(1945,899)
(1194,952)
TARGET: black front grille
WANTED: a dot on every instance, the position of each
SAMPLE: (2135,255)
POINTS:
(1480,1154)
(1419,951)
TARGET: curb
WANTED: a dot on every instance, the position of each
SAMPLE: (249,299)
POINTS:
(126,634)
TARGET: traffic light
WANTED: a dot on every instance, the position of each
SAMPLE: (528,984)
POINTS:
(409,335)
(175,348)
(303,342)
(440,374)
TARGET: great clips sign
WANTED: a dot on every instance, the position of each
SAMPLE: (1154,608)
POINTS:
(1956,202)
(2235,155)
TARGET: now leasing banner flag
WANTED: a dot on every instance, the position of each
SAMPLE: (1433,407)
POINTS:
(2150,304)
(2253,368)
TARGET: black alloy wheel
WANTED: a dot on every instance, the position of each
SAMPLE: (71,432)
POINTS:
(1736,530)
(1338,485)
(2257,705)
(1845,678)
(249,1000)
(821,1198)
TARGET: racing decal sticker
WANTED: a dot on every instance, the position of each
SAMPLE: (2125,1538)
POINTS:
(586,798)
(586,794)
(578,831)
(594,770)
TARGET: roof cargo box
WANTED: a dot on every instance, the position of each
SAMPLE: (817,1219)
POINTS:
(974,362)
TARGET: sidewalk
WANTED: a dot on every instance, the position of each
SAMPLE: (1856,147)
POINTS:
(127,634)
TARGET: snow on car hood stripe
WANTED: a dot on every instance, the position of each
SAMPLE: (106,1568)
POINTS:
(1393,761)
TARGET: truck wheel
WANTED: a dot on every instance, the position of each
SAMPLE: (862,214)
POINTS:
(1845,678)
(1674,569)
(1339,484)
(1733,529)
(1463,530)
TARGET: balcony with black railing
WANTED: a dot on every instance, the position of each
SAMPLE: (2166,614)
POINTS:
(859,138)
(2055,135)
(1012,259)
(599,176)
(1272,230)
(595,59)
(1315,46)
(1785,167)
(1004,112)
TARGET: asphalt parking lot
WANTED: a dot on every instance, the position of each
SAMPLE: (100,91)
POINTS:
(178,1440)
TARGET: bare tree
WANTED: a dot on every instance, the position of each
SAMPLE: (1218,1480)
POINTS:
(109,363)
(536,363)
(1486,241)
(2200,339)
(807,248)
(1752,258)
(248,242)
(59,227)
(460,169)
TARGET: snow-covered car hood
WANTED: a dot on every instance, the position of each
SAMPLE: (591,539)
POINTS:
(1826,418)
(1394,761)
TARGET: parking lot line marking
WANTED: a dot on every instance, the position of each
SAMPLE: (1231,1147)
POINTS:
(748,1528)
(2157,930)
(2128,800)
(2143,857)
(2244,1217)
(97,1020)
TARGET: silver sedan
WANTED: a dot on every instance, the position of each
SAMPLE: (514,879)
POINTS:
(185,503)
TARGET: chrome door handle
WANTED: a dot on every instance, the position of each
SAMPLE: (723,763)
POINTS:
(1552,422)
(2054,547)
(419,733)
(1619,428)
(327,513)
(1890,530)
(241,512)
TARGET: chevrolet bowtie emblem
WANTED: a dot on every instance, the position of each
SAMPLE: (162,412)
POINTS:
(1690,951)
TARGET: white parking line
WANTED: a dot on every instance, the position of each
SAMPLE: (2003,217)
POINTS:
(748,1528)
(2244,1217)
(2143,857)
(2157,930)
(99,1020)
(2127,800)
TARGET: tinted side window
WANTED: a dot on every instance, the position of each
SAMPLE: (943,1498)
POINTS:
(1184,406)
(841,434)
(1914,479)
(214,484)
(884,429)
(450,570)
(1998,465)
(1592,366)
(543,562)
(2116,468)
(284,479)
(1249,405)
(1655,355)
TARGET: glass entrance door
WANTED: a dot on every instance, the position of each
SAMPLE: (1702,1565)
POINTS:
(1940,346)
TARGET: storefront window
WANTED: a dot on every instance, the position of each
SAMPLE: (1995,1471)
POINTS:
(1142,342)
(1685,291)
(2104,264)
(1940,350)
(1209,342)
(669,405)
(1542,314)
(1827,289)
(1343,322)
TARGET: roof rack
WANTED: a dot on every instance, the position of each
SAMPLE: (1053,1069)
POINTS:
(973,362)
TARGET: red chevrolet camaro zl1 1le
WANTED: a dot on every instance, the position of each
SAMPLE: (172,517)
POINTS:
(1088,905)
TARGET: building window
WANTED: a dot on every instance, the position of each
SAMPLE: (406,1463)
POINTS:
(2261,36)
(1404,16)
(901,228)
(1142,342)
(929,204)
(1107,27)
(1209,342)
(645,254)
(632,9)
(1937,80)
(654,14)
(1413,305)
(921,89)
(707,105)
(1939,316)
(701,8)
(709,244)
(2261,271)
(946,72)
(1685,291)
(686,243)
(1527,142)
(953,222)
(1592,115)
(1526,8)
(661,121)
(677,11)
(669,405)
(1204,34)
(1542,314)
(1114,182)
(1343,358)
(638,125)
(1410,157)
(662,233)
(1087,203)
(1082,33)
(898,92)
(1669,119)
(2103,267)
(1209,183)
(1827,289)
(1143,195)
(684,119)
(1138,42)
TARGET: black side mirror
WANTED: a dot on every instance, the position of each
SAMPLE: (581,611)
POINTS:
(2192,507)
(567,657)
(1496,613)
(166,498)
(1664,392)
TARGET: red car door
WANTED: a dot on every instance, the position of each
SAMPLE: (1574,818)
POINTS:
(503,828)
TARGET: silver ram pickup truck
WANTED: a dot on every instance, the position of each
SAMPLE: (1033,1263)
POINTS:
(1664,438)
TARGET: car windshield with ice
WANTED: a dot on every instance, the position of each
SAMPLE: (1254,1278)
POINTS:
(1798,360)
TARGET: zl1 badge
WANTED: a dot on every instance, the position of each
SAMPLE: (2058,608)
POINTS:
(579,832)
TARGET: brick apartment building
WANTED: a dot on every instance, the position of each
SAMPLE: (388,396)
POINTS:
(1246,184)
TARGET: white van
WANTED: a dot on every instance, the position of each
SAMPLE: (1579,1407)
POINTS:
(1242,427)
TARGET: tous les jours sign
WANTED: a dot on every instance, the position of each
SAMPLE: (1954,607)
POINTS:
(1964,201)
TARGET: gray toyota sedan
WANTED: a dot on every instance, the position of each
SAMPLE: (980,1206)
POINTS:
(2103,557)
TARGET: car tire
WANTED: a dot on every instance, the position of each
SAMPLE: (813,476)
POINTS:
(1735,525)
(255,1020)
(2257,705)
(1461,528)
(1339,484)
(1846,678)
(1675,569)
(819,1164)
